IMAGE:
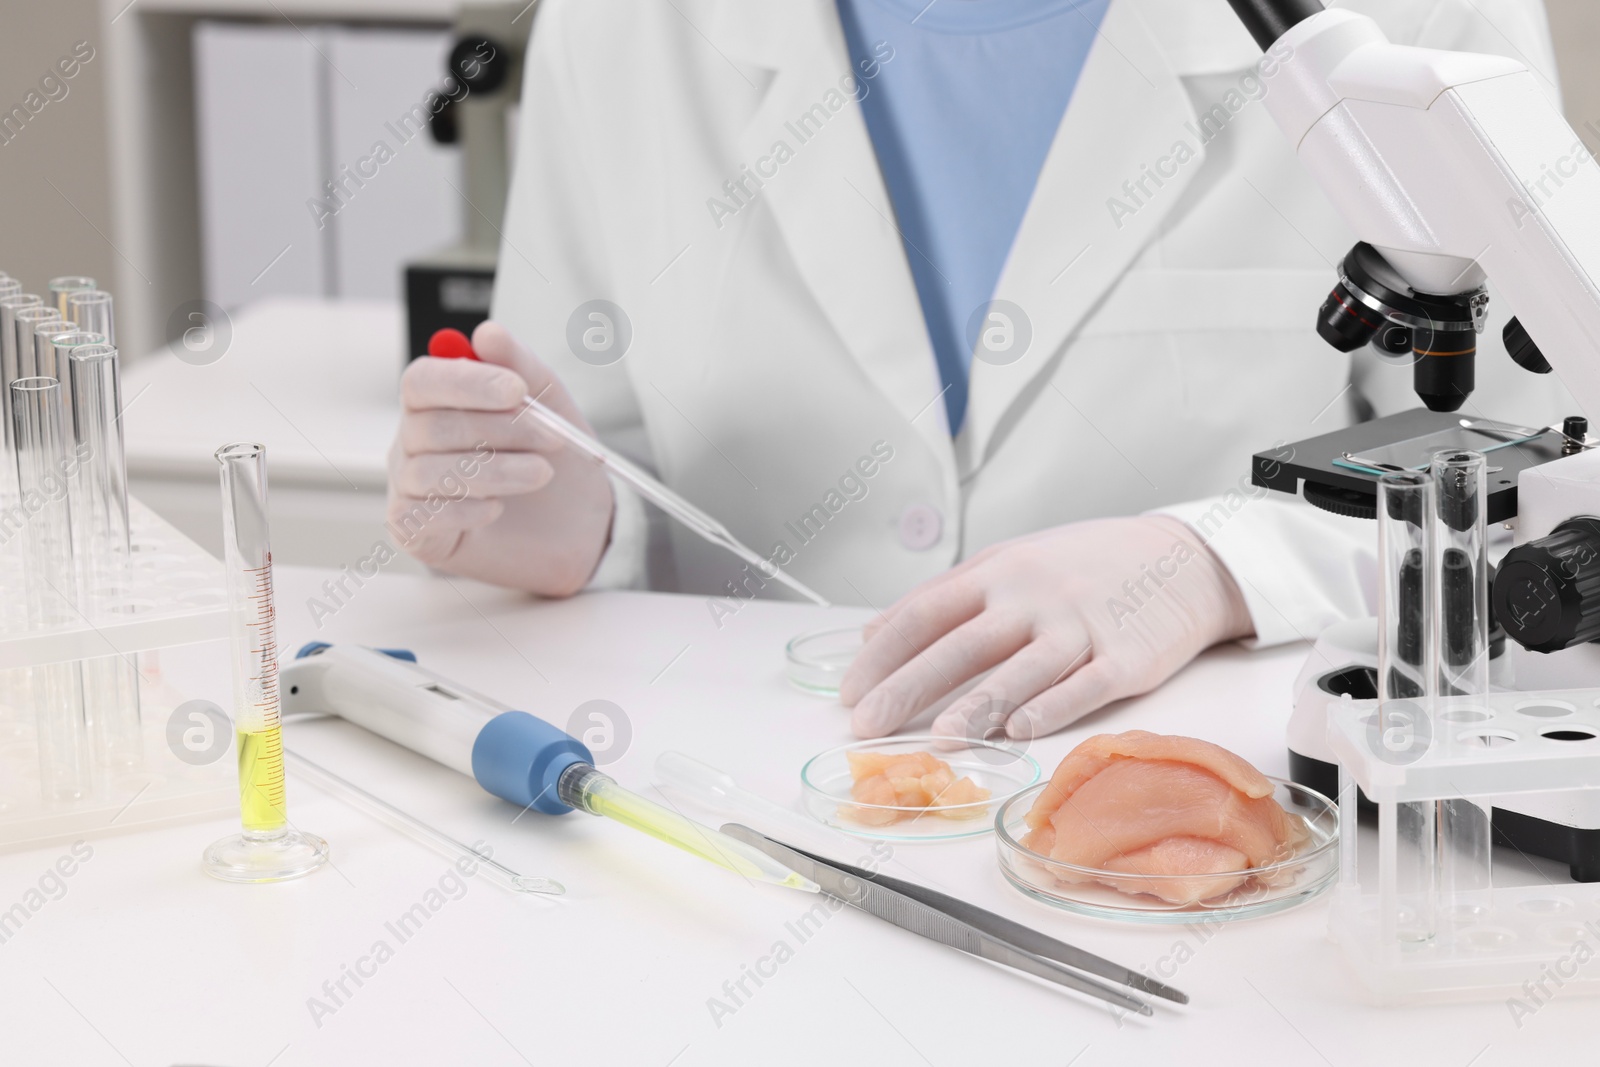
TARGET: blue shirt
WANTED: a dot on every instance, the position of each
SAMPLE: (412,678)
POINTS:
(961,118)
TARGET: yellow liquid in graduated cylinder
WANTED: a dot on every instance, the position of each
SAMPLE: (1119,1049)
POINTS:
(261,780)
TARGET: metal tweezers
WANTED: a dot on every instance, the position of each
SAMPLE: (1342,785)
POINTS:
(963,926)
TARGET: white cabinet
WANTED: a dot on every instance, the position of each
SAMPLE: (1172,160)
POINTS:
(316,176)
(402,199)
(258,90)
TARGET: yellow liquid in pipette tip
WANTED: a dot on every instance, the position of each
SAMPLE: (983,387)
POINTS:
(261,780)
(615,802)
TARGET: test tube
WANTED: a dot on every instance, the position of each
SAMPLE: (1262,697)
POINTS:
(1462,592)
(1460,606)
(49,590)
(1406,684)
(10,371)
(91,310)
(29,320)
(13,683)
(10,304)
(100,476)
(25,323)
(52,346)
(99,506)
(45,361)
(61,290)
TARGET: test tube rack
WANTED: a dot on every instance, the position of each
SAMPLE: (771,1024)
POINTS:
(1523,943)
(173,593)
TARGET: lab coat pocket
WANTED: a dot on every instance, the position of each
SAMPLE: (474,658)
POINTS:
(1181,302)
(1226,344)
(1195,370)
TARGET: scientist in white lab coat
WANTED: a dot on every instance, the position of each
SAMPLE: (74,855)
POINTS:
(971,311)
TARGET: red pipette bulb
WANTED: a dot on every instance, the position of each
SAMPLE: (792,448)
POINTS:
(450,343)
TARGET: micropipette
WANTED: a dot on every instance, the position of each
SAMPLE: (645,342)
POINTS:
(453,344)
(268,850)
(510,753)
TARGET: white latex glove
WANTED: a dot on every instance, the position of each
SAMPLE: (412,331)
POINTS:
(1043,610)
(481,489)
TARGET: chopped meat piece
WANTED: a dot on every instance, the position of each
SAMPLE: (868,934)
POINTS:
(909,780)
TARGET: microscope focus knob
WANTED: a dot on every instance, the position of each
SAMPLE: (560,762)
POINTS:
(1523,351)
(1547,592)
(481,63)
(1575,429)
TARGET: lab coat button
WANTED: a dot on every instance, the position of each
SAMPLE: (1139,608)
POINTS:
(920,526)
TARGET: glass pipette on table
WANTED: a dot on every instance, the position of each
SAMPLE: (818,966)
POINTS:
(431,836)
(453,344)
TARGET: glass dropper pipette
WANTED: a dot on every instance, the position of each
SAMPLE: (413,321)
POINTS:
(453,344)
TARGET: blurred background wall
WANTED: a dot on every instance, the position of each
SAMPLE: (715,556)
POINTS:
(59,165)
(1576,27)
(246,111)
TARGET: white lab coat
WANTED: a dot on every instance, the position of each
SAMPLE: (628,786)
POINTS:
(778,350)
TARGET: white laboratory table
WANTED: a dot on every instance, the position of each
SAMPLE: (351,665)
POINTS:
(144,960)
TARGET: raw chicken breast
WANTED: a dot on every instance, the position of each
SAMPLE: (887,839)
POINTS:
(1182,810)
(1191,870)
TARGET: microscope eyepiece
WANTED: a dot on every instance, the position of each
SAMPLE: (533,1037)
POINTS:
(1267,20)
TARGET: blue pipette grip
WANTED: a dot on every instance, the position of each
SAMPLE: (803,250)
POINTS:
(512,754)
(520,758)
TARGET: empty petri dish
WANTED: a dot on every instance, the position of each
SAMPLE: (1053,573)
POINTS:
(817,660)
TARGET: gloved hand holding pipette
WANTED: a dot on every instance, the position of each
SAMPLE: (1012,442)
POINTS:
(453,344)
(536,514)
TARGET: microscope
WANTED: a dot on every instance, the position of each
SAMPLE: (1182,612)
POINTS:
(1454,169)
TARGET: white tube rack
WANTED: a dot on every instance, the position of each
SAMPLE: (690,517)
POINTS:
(174,594)
(1522,943)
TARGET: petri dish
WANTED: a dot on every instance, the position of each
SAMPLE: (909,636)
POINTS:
(1000,767)
(1241,894)
(817,660)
